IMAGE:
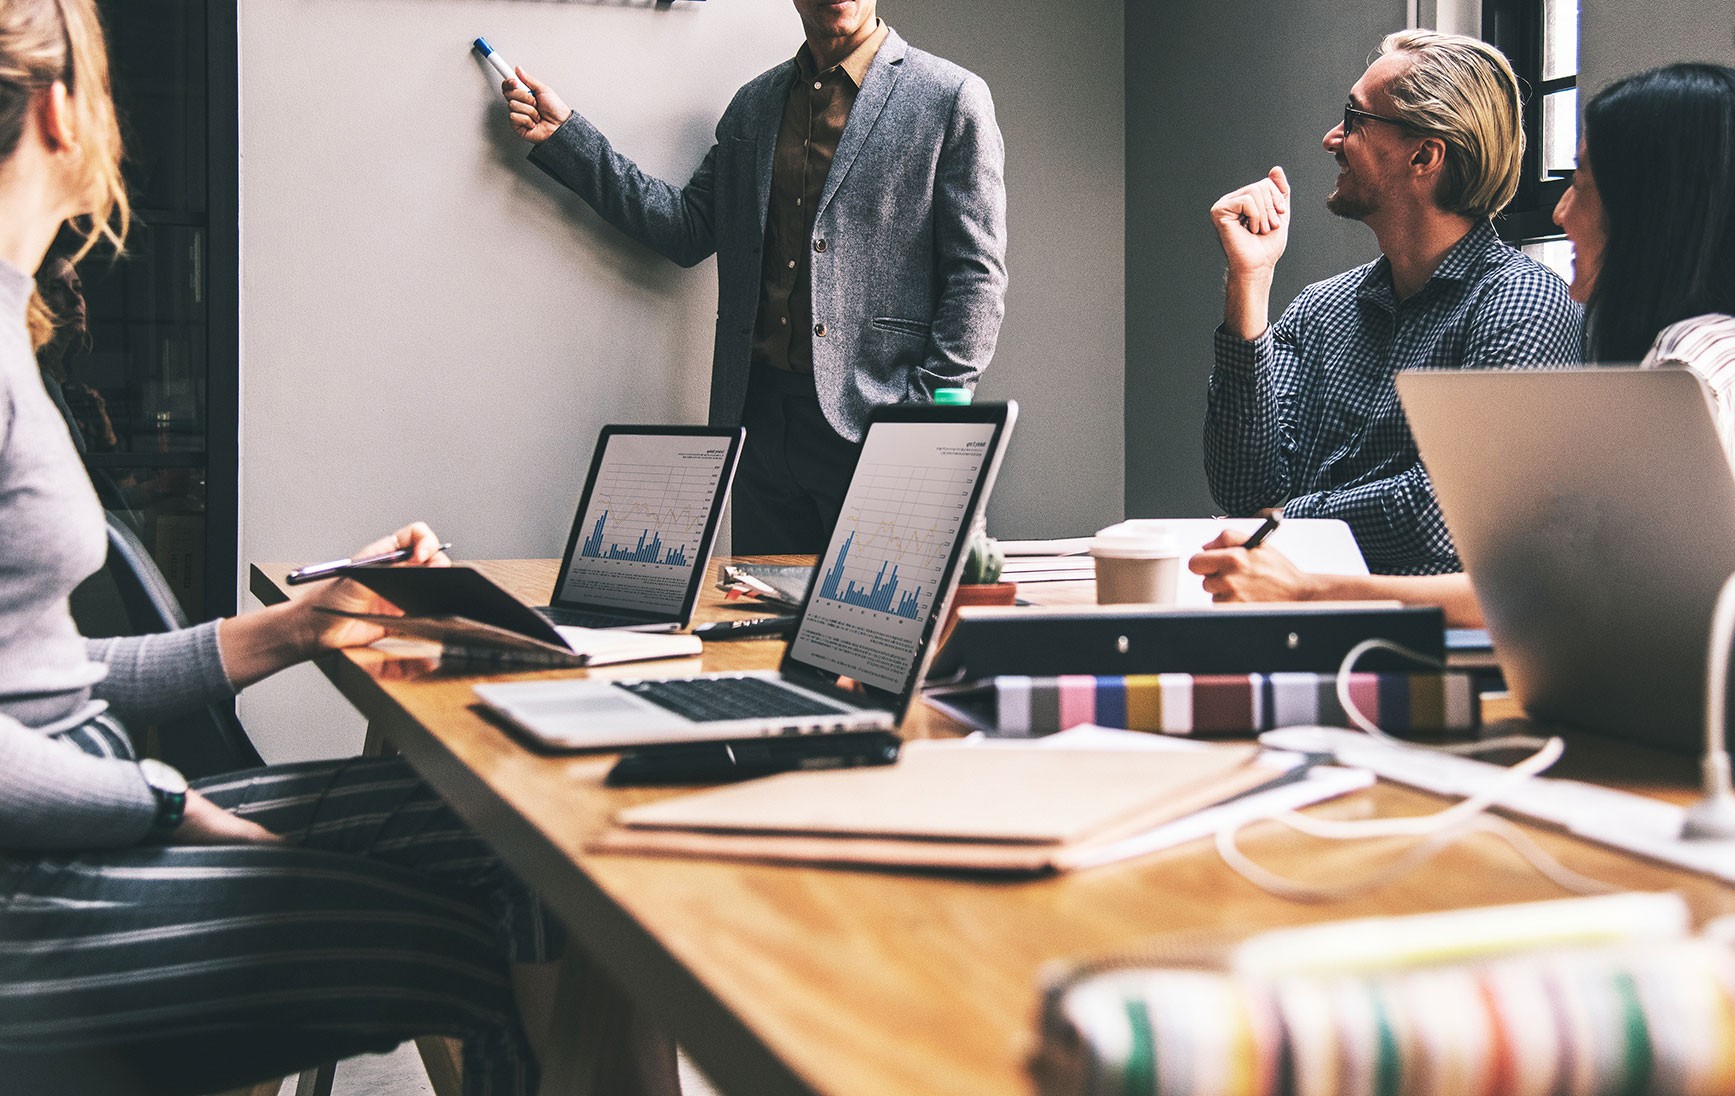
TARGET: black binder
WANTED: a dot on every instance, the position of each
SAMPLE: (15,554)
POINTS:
(1235,639)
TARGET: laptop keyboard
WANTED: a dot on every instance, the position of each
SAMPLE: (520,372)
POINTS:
(715,699)
(580,618)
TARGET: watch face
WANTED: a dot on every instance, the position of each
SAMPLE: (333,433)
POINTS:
(170,788)
(163,778)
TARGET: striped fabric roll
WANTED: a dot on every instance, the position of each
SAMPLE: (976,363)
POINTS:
(1232,704)
(1657,1018)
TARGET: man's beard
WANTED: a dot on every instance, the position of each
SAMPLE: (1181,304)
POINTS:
(1351,207)
(1348,204)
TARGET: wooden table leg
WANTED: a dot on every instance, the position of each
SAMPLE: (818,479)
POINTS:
(375,744)
(599,1045)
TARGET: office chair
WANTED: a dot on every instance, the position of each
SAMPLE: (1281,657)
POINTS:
(208,741)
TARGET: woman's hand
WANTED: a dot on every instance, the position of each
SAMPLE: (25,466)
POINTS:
(324,632)
(205,823)
(256,645)
(1233,573)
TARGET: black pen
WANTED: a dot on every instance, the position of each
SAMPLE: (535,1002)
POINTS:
(1272,521)
(313,572)
(742,629)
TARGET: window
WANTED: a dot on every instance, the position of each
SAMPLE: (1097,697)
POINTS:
(1540,37)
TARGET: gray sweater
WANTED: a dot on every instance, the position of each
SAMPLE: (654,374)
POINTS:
(53,795)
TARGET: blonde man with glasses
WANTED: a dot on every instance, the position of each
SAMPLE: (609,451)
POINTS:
(1303,413)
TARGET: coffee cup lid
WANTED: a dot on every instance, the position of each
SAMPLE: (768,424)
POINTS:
(1126,543)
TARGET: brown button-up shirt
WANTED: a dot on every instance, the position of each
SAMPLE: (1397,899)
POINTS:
(813,120)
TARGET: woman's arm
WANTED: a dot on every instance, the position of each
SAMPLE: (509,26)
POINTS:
(256,645)
(1233,573)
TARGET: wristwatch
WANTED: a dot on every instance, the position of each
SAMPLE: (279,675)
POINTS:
(170,788)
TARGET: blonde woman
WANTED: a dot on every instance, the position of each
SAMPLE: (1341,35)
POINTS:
(153,936)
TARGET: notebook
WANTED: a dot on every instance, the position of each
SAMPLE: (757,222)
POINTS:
(480,623)
(947,805)
(641,540)
(866,631)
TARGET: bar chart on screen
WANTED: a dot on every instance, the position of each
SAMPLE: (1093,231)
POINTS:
(898,527)
(879,578)
(644,524)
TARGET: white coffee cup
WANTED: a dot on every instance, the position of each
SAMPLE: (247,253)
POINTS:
(1135,567)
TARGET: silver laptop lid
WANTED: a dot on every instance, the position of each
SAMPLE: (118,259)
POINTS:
(647,520)
(1594,510)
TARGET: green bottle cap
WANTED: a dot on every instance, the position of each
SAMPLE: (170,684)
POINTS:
(951,397)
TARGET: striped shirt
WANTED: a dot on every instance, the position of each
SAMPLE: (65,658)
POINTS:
(1706,345)
(1306,416)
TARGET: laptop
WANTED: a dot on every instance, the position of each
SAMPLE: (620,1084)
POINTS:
(867,627)
(642,537)
(1594,510)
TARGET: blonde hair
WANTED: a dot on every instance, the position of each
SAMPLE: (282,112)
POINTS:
(1464,91)
(42,42)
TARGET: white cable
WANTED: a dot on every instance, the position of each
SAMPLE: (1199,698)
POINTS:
(1414,857)
(1435,831)
(1426,824)
(1713,817)
(1362,723)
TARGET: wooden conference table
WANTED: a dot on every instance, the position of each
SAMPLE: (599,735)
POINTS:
(780,979)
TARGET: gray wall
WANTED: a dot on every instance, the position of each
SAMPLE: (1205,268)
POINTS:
(430,328)
(1626,36)
(1217,92)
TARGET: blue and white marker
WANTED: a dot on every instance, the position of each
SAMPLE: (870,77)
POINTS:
(499,62)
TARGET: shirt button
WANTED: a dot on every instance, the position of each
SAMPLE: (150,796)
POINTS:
(819,330)
(798,201)
(816,85)
(783,320)
(792,264)
(819,245)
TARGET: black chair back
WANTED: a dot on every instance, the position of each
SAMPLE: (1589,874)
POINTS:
(205,742)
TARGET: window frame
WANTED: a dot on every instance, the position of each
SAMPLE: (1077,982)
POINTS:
(1516,28)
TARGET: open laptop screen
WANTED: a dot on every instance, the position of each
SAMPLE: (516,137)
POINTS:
(893,557)
(647,519)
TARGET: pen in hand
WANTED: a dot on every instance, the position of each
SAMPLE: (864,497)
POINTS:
(1271,522)
(313,572)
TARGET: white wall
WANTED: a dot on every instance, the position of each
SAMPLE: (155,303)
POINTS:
(1619,37)
(431,328)
(1217,92)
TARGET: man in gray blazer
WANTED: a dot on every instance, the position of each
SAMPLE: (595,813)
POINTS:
(856,203)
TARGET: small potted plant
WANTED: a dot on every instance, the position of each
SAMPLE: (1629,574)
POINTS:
(979,581)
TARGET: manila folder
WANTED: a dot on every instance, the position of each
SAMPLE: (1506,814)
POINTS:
(1003,807)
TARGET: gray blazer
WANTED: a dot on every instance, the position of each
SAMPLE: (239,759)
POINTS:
(909,240)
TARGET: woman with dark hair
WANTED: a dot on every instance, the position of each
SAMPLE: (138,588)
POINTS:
(1651,216)
(156,937)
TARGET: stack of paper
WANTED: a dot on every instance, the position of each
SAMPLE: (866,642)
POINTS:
(1065,559)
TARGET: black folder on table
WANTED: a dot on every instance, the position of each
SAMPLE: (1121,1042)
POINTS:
(1233,639)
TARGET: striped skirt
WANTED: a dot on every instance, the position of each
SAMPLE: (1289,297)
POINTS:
(187,968)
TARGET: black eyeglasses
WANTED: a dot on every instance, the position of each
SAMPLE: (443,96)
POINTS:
(1352,112)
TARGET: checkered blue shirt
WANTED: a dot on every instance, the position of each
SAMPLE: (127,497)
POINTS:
(1306,416)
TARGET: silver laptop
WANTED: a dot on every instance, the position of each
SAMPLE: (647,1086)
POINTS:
(866,632)
(1594,510)
(642,537)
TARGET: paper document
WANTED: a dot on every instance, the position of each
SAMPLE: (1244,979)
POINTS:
(1060,546)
